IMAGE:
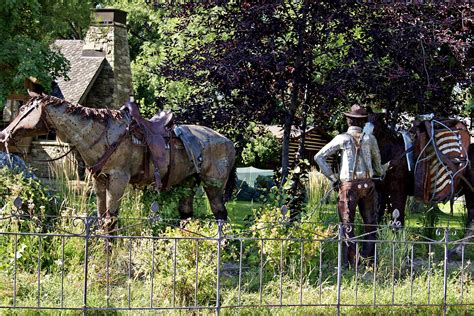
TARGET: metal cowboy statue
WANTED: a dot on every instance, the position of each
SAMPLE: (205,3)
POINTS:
(360,163)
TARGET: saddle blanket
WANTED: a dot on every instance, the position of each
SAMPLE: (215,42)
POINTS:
(192,145)
(441,155)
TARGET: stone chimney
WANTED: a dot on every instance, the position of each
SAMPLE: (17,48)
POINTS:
(107,36)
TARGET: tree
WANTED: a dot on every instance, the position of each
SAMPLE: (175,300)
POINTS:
(410,59)
(27,29)
(226,64)
(273,59)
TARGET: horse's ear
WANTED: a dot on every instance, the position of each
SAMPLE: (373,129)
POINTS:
(371,116)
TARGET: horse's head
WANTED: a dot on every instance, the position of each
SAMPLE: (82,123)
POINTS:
(377,119)
(30,121)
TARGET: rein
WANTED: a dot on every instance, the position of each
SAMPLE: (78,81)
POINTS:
(55,158)
(403,154)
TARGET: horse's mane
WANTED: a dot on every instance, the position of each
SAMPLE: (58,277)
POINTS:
(96,114)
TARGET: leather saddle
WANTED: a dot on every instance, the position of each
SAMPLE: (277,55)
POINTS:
(146,131)
(143,128)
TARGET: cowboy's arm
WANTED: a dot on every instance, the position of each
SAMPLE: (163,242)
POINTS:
(321,158)
(375,154)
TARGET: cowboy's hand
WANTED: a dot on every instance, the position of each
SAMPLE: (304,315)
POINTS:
(386,167)
(336,184)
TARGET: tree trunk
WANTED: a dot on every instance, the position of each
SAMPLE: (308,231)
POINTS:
(285,159)
(290,115)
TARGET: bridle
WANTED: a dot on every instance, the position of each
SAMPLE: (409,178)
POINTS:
(34,105)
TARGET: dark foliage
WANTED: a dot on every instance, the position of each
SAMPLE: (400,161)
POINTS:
(403,58)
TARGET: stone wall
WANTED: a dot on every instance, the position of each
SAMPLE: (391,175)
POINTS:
(101,94)
(110,37)
(46,150)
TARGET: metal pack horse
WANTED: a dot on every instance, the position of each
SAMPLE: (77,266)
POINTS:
(106,143)
(436,167)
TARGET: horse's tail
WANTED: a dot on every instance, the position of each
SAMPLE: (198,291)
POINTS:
(230,185)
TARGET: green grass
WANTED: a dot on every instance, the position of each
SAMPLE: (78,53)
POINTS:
(353,291)
(443,216)
(241,213)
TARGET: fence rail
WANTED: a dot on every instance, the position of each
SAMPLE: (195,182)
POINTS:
(83,269)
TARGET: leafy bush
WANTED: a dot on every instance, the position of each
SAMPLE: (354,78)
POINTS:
(271,225)
(261,148)
(31,216)
(180,250)
(36,198)
(246,192)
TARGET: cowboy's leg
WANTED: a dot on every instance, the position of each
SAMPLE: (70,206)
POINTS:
(369,216)
(346,208)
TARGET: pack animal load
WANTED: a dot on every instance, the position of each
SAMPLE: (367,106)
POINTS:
(441,156)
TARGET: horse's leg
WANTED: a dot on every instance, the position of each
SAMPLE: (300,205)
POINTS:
(381,198)
(398,201)
(469,197)
(396,191)
(100,188)
(216,199)
(117,182)
(469,237)
(186,203)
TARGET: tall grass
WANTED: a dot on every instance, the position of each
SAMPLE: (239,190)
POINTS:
(76,195)
(321,197)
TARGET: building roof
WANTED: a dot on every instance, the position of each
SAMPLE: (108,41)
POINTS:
(277,131)
(84,70)
(315,139)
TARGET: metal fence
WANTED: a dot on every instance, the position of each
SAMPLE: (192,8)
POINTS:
(77,267)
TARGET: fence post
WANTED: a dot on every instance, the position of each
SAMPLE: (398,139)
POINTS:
(339,265)
(87,224)
(220,223)
(445,268)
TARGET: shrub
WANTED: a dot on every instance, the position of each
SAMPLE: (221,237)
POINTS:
(31,216)
(37,199)
(271,225)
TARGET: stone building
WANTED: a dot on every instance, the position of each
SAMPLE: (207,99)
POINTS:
(100,76)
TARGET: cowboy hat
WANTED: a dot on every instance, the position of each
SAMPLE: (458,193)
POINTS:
(357,111)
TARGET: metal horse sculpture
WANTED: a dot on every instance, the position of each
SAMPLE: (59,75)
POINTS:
(105,143)
(400,181)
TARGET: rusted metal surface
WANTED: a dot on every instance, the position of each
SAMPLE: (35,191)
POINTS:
(102,137)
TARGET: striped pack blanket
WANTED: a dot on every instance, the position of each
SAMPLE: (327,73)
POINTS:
(441,159)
